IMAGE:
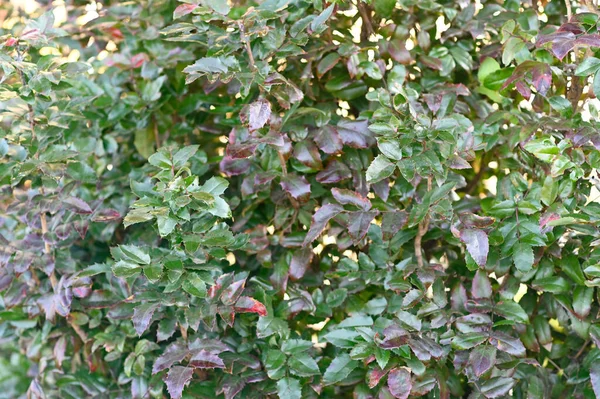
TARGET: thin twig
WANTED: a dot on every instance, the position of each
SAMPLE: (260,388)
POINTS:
(156,135)
(422,230)
(283,163)
(582,349)
(569,10)
(247,44)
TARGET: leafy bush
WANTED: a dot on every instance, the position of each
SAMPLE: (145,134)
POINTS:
(299,199)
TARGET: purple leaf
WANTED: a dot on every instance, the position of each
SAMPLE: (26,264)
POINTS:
(59,350)
(296,186)
(300,261)
(507,343)
(523,89)
(592,40)
(174,353)
(250,305)
(320,220)
(328,140)
(233,167)
(142,316)
(355,133)
(482,358)
(542,78)
(399,383)
(425,348)
(392,222)
(259,112)
(382,189)
(205,359)
(477,244)
(106,215)
(358,224)
(346,197)
(77,205)
(308,154)
(334,172)
(177,379)
(394,337)
(595,377)
(497,387)
(457,162)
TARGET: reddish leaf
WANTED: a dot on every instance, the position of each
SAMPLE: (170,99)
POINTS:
(320,220)
(542,78)
(177,379)
(259,113)
(375,375)
(399,383)
(250,305)
(296,186)
(232,292)
(397,50)
(523,89)
(106,215)
(346,197)
(300,261)
(205,359)
(183,9)
(308,154)
(326,63)
(472,220)
(358,224)
(355,133)
(328,140)
(334,172)
(138,60)
(477,244)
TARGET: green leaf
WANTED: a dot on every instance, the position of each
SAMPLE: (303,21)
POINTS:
(318,24)
(469,340)
(589,66)
(523,257)
(302,365)
(512,311)
(289,388)
(275,364)
(193,285)
(183,155)
(339,369)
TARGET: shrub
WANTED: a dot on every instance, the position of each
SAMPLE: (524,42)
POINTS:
(299,199)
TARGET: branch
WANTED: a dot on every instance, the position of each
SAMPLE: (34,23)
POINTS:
(365,15)
(422,230)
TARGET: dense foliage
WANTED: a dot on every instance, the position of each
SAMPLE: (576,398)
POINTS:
(299,199)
